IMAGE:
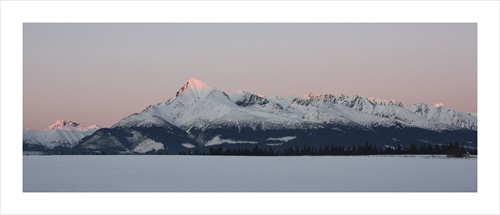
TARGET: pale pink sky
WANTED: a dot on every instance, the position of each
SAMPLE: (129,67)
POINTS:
(100,73)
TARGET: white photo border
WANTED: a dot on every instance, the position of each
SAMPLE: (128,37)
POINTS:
(15,13)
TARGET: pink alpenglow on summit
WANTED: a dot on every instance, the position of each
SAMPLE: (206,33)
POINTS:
(70,125)
(61,123)
(438,105)
(196,88)
(61,133)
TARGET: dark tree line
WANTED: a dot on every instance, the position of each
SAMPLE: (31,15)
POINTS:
(449,149)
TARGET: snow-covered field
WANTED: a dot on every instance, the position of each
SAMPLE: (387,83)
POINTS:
(248,174)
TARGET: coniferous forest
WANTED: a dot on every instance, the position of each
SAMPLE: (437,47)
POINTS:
(449,149)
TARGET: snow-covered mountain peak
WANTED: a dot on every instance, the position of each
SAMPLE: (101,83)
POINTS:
(238,95)
(243,99)
(63,123)
(196,84)
(438,105)
(195,88)
(385,101)
(61,133)
(70,125)
(196,103)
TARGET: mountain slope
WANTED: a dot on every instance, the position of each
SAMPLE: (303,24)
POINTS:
(62,133)
(140,140)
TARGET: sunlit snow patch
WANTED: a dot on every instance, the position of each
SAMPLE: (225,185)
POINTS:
(217,141)
(148,145)
(282,139)
(438,105)
(188,145)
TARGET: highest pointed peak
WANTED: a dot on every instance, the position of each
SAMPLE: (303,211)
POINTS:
(196,87)
(192,83)
(197,84)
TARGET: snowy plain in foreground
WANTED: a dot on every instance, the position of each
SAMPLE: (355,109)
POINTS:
(172,173)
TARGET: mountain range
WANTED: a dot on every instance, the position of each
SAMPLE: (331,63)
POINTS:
(201,116)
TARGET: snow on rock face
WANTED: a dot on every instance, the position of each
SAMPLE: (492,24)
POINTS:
(61,133)
(147,146)
(245,99)
(188,145)
(195,105)
(142,119)
(195,88)
(217,141)
(63,123)
(444,115)
(199,106)
(282,139)
(384,101)
(69,125)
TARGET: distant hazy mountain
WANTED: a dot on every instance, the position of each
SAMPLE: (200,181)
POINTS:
(200,116)
(62,133)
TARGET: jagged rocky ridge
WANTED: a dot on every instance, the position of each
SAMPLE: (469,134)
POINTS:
(200,116)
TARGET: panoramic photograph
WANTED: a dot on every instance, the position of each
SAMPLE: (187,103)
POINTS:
(250,107)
